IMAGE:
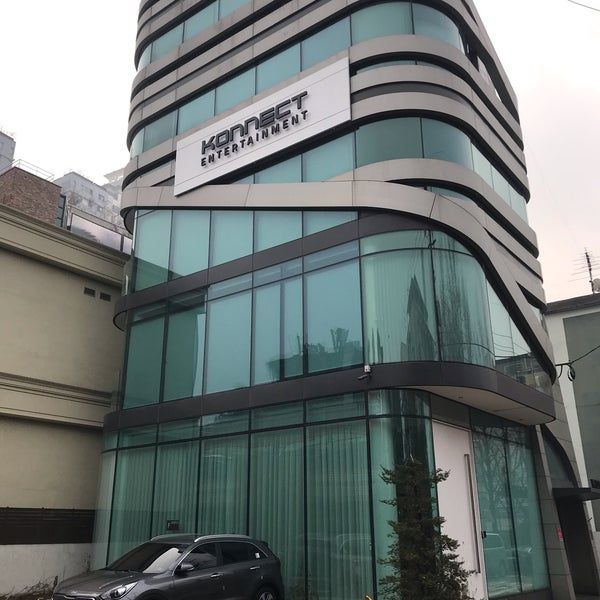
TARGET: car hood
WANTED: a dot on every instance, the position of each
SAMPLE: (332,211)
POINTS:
(95,583)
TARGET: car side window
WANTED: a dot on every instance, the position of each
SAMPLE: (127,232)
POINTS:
(236,552)
(203,557)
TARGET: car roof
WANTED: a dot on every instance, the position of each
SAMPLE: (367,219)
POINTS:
(192,538)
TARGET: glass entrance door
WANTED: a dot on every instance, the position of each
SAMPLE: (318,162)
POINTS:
(457,500)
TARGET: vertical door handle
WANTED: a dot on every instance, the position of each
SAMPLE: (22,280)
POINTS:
(473,515)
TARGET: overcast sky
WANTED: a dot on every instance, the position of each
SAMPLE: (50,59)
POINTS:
(67,67)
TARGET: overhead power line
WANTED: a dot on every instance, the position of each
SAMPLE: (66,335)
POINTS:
(584,5)
(571,370)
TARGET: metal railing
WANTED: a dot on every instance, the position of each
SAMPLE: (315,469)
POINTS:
(30,168)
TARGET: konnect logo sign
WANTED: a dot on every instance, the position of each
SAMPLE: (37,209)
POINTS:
(253,130)
(312,105)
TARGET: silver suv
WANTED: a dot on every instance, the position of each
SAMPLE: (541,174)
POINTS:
(184,567)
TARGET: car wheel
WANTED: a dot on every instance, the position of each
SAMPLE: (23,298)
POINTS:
(266,594)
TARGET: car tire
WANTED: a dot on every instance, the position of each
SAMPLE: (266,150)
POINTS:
(266,594)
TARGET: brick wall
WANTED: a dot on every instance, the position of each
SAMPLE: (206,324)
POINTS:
(29,194)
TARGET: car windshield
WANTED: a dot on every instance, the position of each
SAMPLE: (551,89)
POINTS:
(152,557)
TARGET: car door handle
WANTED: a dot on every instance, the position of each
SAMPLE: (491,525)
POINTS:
(216,575)
(255,568)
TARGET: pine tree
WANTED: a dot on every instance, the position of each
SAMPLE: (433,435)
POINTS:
(423,562)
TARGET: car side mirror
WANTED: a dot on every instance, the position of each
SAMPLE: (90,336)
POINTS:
(185,567)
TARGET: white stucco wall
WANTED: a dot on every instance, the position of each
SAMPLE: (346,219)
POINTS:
(28,569)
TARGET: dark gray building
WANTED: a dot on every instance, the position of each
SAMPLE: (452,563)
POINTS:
(333,273)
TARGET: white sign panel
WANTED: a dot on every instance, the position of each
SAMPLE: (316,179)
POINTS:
(301,110)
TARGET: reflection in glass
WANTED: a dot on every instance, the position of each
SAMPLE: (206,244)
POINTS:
(144,362)
(184,360)
(228,343)
(393,441)
(499,546)
(333,317)
(461,294)
(152,237)
(398,307)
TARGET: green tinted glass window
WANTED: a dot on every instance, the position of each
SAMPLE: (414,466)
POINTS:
(501,186)
(223,490)
(326,43)
(393,442)
(167,43)
(159,131)
(388,140)
(442,141)
(465,328)
(399,402)
(338,511)
(276,488)
(226,7)
(334,408)
(132,500)
(496,516)
(103,510)
(275,227)
(395,240)
(316,220)
(175,484)
(202,20)
(330,159)
(529,535)
(482,166)
(189,242)
(399,307)
(142,380)
(432,23)
(288,171)
(137,436)
(197,111)
(235,90)
(228,343)
(266,350)
(281,415)
(179,430)
(184,362)
(152,236)
(145,58)
(231,235)
(278,68)
(333,317)
(391,18)
(137,144)
(224,423)
(277,349)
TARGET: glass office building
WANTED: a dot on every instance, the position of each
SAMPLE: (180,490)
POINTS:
(332,274)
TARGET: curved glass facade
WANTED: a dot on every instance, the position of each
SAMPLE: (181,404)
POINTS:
(508,503)
(390,139)
(403,296)
(206,17)
(400,18)
(306,477)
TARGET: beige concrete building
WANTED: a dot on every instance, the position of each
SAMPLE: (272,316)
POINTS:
(59,368)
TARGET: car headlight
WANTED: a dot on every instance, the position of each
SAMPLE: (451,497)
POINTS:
(118,592)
